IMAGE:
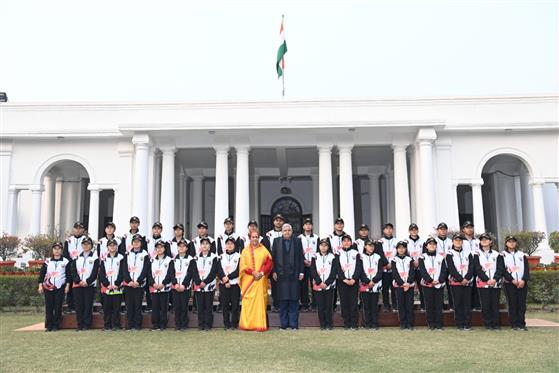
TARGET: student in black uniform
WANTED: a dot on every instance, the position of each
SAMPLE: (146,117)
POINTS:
(349,273)
(371,283)
(229,290)
(73,248)
(323,273)
(404,283)
(54,282)
(160,277)
(135,275)
(110,277)
(433,276)
(185,267)
(84,279)
(516,274)
(460,265)
(388,243)
(489,267)
(126,243)
(205,283)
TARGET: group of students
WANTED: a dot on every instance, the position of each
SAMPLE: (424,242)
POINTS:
(167,273)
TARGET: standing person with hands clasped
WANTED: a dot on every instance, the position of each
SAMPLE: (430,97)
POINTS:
(323,272)
(404,283)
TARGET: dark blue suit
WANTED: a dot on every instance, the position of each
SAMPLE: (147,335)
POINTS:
(289,263)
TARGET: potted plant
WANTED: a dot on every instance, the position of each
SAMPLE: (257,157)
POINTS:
(8,248)
(528,242)
(553,241)
(40,245)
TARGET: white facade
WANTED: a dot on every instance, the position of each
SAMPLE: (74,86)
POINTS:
(493,160)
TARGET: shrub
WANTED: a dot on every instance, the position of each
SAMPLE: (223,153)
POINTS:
(528,241)
(19,291)
(8,246)
(554,241)
(543,287)
(41,244)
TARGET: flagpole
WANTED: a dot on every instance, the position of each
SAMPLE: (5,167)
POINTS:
(283,67)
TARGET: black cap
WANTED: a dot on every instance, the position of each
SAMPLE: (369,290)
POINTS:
(402,243)
(78,224)
(112,241)
(339,220)
(457,236)
(442,226)
(160,243)
(364,226)
(252,222)
(202,224)
(87,240)
(157,225)
(510,237)
(230,239)
(412,226)
(278,216)
(467,223)
(388,225)
(182,242)
(324,240)
(346,237)
(137,237)
(307,221)
(179,226)
(110,224)
(135,219)
(228,220)
(486,236)
(369,242)
(205,239)
(429,240)
(59,244)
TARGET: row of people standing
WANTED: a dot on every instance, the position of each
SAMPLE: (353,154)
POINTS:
(380,265)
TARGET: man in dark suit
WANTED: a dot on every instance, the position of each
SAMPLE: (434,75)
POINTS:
(288,271)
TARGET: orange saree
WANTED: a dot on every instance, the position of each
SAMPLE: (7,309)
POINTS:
(254,294)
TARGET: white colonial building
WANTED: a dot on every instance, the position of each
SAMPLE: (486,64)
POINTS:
(493,160)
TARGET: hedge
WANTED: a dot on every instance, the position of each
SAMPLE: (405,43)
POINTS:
(21,291)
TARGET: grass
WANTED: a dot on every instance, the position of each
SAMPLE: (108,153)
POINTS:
(305,350)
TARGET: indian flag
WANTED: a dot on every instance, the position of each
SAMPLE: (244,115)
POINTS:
(280,61)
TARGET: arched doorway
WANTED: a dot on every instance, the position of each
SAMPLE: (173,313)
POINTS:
(507,196)
(291,210)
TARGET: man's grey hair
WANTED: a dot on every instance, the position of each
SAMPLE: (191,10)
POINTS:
(286,225)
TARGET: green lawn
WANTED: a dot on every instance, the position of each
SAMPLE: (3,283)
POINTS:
(305,350)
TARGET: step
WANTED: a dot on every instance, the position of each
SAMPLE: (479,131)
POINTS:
(306,319)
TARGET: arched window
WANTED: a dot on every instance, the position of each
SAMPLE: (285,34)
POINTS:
(291,210)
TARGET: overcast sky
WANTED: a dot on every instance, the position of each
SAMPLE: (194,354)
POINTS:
(213,50)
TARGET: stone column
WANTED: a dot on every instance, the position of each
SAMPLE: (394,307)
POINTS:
(401,192)
(477,206)
(36,199)
(347,211)
(425,138)
(167,213)
(197,201)
(93,225)
(242,195)
(326,202)
(13,195)
(139,187)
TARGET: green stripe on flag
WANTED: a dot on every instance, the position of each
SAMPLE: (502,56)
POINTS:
(281,52)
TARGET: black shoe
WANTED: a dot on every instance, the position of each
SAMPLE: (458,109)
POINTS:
(523,328)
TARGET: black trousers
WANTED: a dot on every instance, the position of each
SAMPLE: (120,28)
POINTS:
(180,306)
(405,306)
(70,300)
(111,310)
(462,296)
(204,300)
(160,307)
(305,298)
(450,298)
(386,288)
(133,300)
(324,300)
(274,286)
(53,308)
(348,302)
(83,297)
(149,304)
(516,299)
(229,298)
(433,306)
(417,281)
(476,302)
(370,308)
(490,306)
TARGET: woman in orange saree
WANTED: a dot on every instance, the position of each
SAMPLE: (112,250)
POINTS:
(255,267)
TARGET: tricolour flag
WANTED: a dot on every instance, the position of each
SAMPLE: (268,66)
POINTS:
(280,61)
